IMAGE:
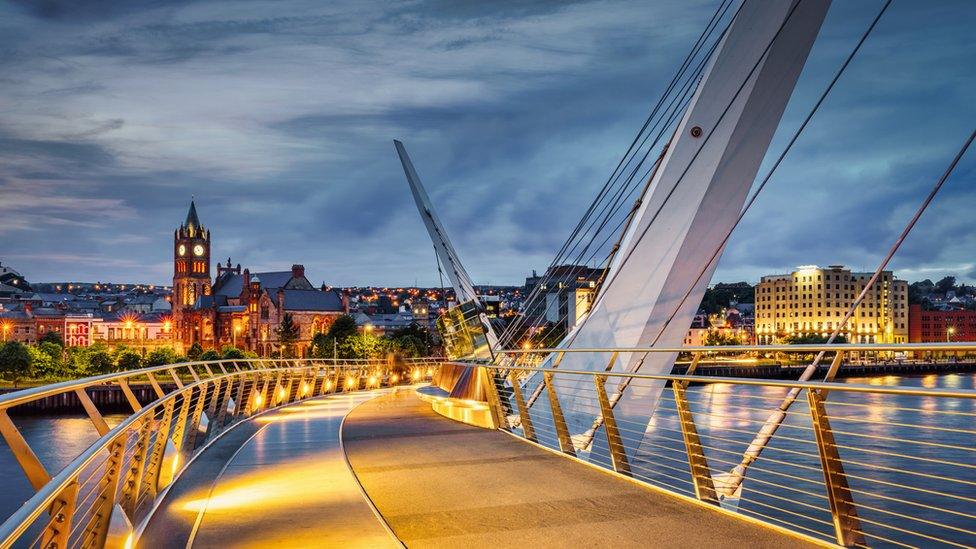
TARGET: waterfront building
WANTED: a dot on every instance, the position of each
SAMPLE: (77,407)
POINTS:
(240,308)
(563,295)
(191,268)
(138,331)
(813,301)
(940,325)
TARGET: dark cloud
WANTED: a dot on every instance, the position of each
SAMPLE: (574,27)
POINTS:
(280,116)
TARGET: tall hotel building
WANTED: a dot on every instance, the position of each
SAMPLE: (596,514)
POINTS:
(814,301)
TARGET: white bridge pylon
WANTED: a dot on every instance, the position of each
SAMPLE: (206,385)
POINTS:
(456,273)
(692,203)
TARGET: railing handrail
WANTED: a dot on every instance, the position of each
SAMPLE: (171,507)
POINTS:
(30,394)
(798,348)
(829,386)
(20,520)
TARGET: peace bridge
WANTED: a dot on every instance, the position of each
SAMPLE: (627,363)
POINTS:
(367,453)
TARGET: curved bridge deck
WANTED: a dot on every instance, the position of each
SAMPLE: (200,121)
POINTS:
(282,480)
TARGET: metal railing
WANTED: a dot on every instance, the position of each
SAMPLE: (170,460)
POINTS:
(114,483)
(852,464)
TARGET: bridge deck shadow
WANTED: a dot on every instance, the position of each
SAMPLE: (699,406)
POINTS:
(439,483)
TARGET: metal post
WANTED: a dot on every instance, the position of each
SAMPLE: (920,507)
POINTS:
(108,487)
(156,455)
(527,430)
(179,429)
(176,378)
(701,475)
(133,478)
(847,526)
(33,468)
(618,455)
(92,410)
(494,402)
(155,385)
(129,395)
(559,422)
(56,533)
(194,425)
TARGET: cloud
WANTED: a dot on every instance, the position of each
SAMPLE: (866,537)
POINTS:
(279,117)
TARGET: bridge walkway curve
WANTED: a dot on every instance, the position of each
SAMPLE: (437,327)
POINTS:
(439,483)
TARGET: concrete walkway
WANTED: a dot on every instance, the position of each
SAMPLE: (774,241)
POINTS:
(280,480)
(439,483)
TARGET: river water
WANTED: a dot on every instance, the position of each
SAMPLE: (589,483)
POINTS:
(912,481)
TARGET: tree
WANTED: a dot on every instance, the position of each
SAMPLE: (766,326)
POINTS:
(15,361)
(52,337)
(161,356)
(231,352)
(945,285)
(128,360)
(715,337)
(364,345)
(210,355)
(811,339)
(343,327)
(194,352)
(49,360)
(322,346)
(288,333)
(100,360)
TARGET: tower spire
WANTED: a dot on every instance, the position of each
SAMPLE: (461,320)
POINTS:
(192,220)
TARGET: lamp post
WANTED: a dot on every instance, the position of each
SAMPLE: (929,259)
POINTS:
(237,329)
(6,329)
(949,331)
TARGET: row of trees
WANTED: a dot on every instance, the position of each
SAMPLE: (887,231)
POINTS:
(344,340)
(50,360)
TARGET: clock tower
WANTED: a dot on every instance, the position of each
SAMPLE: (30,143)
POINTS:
(191,266)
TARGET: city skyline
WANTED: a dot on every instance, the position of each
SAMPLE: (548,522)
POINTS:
(116,116)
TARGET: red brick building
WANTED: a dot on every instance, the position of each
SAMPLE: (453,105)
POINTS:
(940,326)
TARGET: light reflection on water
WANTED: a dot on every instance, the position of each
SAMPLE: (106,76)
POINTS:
(914,456)
(56,440)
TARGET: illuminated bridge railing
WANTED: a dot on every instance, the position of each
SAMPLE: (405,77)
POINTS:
(114,484)
(852,464)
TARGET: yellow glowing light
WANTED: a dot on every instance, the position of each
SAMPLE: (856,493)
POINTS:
(369,327)
(394,378)
(258,399)
(305,388)
(328,385)
(128,541)
(372,380)
(281,393)
(527,345)
(430,372)
(349,382)
(415,375)
(167,325)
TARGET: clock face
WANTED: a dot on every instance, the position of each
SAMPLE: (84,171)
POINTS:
(198,250)
(182,249)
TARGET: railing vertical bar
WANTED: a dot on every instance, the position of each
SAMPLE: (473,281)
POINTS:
(618,454)
(33,468)
(93,414)
(847,525)
(558,420)
(524,417)
(129,395)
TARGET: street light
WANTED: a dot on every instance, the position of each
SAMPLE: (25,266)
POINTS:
(6,329)
(949,331)
(237,329)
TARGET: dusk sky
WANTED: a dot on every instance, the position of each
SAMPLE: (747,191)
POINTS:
(280,118)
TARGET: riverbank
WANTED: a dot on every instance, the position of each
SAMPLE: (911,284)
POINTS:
(108,399)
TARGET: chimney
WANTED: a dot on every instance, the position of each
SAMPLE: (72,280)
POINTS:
(297,271)
(345,301)
(281,302)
